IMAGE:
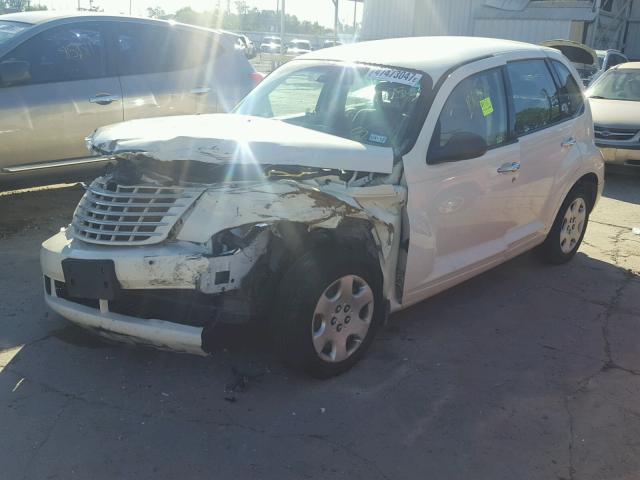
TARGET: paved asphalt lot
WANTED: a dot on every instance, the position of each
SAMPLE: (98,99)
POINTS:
(526,372)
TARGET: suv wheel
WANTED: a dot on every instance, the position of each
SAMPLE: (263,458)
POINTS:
(328,311)
(568,229)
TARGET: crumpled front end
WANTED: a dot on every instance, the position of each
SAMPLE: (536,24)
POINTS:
(155,259)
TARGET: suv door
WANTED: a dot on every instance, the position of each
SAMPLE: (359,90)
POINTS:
(460,211)
(164,70)
(544,125)
(70,91)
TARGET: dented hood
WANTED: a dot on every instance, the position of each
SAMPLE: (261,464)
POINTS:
(237,139)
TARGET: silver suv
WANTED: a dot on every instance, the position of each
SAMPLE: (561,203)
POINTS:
(63,76)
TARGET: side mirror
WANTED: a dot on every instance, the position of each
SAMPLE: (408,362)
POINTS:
(461,146)
(14,72)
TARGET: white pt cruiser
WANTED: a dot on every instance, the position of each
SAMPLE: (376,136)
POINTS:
(353,182)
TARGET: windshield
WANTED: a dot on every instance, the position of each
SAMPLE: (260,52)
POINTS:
(617,85)
(371,105)
(8,30)
(272,40)
(302,45)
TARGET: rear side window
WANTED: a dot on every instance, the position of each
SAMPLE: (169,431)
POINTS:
(62,54)
(476,105)
(150,49)
(571,99)
(535,97)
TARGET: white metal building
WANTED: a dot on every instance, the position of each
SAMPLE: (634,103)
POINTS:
(599,23)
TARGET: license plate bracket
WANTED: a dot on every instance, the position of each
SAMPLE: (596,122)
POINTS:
(91,279)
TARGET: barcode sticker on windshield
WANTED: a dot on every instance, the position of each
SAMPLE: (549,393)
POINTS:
(396,76)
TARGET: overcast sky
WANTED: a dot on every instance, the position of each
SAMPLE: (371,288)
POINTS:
(318,10)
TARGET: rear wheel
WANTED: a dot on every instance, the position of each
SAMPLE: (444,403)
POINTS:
(568,229)
(328,310)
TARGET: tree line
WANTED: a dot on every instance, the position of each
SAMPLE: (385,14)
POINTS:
(244,19)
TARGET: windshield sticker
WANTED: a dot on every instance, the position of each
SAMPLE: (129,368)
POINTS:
(377,138)
(396,76)
(486,106)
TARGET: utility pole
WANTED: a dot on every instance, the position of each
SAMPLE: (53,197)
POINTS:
(335,20)
(355,12)
(131,1)
(282,18)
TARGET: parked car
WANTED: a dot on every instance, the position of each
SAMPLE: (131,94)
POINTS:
(62,76)
(271,45)
(331,43)
(615,103)
(440,158)
(299,47)
(608,59)
(247,46)
(589,63)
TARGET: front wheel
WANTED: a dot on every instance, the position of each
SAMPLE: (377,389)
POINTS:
(568,229)
(328,309)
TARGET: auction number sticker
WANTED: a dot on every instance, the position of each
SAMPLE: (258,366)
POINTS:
(396,76)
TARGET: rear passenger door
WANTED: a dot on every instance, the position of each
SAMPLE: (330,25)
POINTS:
(72,89)
(164,70)
(543,123)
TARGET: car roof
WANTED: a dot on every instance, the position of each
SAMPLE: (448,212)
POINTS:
(628,66)
(434,55)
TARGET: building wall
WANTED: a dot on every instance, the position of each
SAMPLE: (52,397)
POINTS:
(533,31)
(387,19)
(632,42)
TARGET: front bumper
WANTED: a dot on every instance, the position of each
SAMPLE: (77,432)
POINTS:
(157,333)
(620,154)
(169,294)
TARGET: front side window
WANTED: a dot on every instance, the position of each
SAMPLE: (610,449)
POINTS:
(372,105)
(67,53)
(156,49)
(535,97)
(476,105)
(617,85)
(571,100)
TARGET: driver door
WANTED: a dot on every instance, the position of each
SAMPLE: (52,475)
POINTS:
(460,211)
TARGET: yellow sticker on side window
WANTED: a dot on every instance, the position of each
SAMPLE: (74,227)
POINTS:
(486,106)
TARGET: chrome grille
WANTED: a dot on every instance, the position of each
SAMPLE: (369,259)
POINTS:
(614,133)
(129,215)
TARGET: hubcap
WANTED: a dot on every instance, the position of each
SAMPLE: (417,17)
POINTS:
(572,225)
(342,318)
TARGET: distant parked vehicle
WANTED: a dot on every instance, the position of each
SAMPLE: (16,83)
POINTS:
(608,59)
(299,47)
(615,104)
(589,63)
(271,45)
(63,76)
(248,47)
(331,43)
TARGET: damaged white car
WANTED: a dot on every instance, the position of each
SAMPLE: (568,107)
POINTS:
(353,182)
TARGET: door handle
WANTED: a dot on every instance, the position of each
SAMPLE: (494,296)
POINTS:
(200,90)
(569,142)
(509,167)
(103,98)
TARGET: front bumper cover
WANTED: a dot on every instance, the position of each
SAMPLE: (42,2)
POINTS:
(178,279)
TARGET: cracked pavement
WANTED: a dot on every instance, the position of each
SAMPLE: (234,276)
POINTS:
(525,372)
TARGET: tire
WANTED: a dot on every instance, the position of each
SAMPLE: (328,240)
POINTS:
(320,328)
(567,232)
